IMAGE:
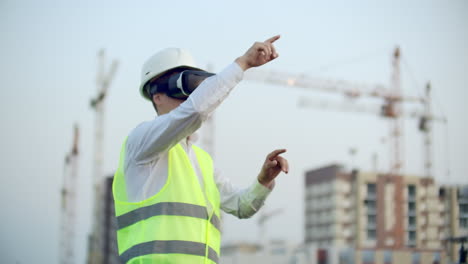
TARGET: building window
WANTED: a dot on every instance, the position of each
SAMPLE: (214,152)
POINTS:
(371,190)
(416,258)
(462,193)
(412,219)
(411,223)
(411,191)
(436,258)
(371,227)
(442,193)
(463,208)
(387,257)
(371,206)
(411,238)
(368,256)
(346,256)
(464,222)
(371,234)
(413,211)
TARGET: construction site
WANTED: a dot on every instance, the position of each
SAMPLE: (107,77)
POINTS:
(367,99)
(351,216)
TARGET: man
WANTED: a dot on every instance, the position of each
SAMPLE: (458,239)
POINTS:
(167,195)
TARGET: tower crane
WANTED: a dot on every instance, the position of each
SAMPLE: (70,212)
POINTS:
(103,82)
(391,107)
(68,207)
(425,118)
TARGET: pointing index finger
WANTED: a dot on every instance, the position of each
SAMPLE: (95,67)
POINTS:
(275,153)
(273,39)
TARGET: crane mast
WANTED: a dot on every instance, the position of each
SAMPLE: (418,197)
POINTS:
(68,206)
(425,126)
(103,82)
(393,109)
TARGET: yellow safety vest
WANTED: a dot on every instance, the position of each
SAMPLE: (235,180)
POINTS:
(179,224)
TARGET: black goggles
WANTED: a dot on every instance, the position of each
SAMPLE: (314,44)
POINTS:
(179,85)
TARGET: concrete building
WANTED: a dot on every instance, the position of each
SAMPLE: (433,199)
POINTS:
(455,199)
(384,218)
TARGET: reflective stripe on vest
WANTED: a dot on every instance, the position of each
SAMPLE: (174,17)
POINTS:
(180,209)
(169,247)
(175,225)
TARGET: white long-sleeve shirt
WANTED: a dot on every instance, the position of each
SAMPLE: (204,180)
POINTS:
(148,144)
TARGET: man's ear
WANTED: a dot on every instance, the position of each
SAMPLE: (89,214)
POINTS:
(157,98)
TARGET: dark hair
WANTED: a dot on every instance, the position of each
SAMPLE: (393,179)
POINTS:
(154,106)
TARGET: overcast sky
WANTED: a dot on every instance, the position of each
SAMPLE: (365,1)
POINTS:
(48,67)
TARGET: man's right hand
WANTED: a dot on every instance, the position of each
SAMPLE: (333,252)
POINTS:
(259,54)
(274,164)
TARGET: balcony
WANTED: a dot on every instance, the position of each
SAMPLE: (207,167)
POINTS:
(422,207)
(346,204)
(347,232)
(411,243)
(463,215)
(371,234)
(462,200)
(371,196)
(371,225)
(371,211)
(411,198)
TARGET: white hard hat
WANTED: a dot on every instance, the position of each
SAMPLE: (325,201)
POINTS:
(163,61)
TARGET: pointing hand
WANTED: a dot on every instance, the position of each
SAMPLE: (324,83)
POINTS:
(273,165)
(260,53)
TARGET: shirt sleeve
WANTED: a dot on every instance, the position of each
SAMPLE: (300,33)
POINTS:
(150,138)
(242,203)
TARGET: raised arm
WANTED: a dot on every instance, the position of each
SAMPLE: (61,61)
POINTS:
(260,53)
(160,134)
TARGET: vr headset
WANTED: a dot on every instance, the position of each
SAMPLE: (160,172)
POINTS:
(179,85)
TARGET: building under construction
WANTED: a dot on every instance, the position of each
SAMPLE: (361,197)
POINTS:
(396,218)
(103,245)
